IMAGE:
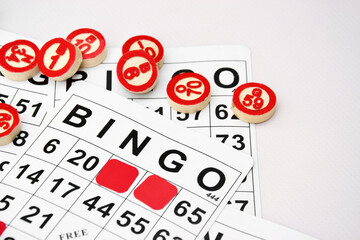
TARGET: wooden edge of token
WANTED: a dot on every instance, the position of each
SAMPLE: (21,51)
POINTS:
(92,62)
(252,118)
(20,76)
(189,108)
(73,69)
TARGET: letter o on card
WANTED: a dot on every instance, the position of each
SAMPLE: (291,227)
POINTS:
(253,102)
(10,124)
(18,60)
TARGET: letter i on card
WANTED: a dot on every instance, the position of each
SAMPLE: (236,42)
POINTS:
(18,60)
(59,59)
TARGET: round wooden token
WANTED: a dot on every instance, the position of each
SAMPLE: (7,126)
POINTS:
(137,71)
(10,124)
(188,92)
(253,102)
(147,43)
(59,59)
(18,60)
(91,44)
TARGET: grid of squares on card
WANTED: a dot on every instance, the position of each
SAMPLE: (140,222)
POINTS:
(65,180)
(226,68)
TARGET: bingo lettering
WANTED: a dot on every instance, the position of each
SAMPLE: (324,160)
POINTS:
(94,171)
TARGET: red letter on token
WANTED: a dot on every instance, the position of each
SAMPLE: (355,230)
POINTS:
(155,192)
(145,67)
(117,176)
(131,72)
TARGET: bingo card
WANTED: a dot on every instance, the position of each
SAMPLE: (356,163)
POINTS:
(226,67)
(247,227)
(173,182)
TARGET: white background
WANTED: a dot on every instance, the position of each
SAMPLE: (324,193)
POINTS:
(308,52)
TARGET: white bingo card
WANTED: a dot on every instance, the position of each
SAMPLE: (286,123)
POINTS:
(226,67)
(247,227)
(173,182)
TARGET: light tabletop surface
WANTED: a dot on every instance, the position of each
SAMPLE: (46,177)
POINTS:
(308,52)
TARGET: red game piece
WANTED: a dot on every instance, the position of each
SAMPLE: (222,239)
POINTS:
(10,124)
(188,92)
(149,44)
(117,176)
(91,44)
(155,192)
(137,71)
(59,59)
(253,102)
(2,227)
(18,60)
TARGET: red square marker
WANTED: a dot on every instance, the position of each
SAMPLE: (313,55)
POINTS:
(155,192)
(117,176)
(2,227)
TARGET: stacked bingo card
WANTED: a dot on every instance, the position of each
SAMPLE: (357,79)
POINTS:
(247,227)
(226,68)
(104,167)
(32,99)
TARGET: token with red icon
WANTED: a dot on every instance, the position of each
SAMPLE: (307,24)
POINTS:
(137,71)
(188,92)
(253,102)
(59,59)
(10,124)
(148,44)
(91,44)
(18,60)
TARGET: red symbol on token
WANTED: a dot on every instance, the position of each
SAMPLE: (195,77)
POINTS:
(59,59)
(148,44)
(253,102)
(137,71)
(257,103)
(189,87)
(155,192)
(188,92)
(9,123)
(4,120)
(2,227)
(117,176)
(18,60)
(92,45)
